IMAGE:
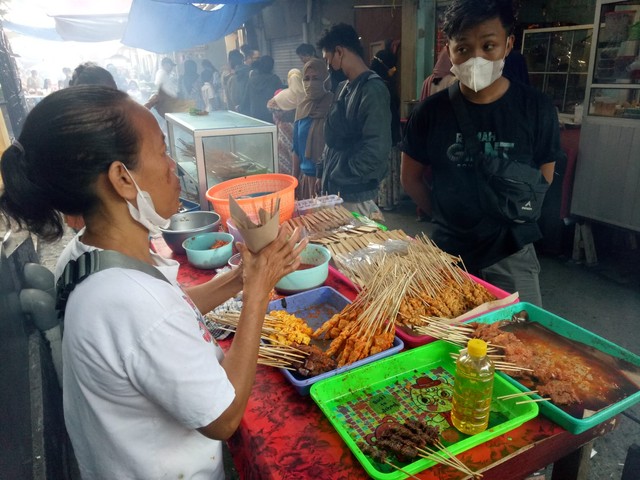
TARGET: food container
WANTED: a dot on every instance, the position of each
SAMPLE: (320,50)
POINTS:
(312,273)
(571,331)
(255,192)
(311,205)
(201,255)
(316,307)
(186,225)
(233,230)
(416,384)
(412,340)
(235,260)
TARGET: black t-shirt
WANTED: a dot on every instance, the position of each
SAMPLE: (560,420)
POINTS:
(521,125)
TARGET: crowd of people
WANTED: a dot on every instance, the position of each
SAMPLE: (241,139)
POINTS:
(147,391)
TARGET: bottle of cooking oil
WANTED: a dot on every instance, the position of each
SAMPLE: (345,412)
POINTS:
(472,388)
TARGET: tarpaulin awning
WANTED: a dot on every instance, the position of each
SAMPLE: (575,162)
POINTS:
(159,26)
(94,28)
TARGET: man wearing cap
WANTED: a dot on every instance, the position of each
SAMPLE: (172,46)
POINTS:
(166,79)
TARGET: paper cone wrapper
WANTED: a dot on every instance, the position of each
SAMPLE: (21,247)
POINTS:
(257,238)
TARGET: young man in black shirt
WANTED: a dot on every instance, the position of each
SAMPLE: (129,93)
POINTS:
(513,122)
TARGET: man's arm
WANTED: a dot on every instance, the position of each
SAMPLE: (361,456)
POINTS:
(412,182)
(374,115)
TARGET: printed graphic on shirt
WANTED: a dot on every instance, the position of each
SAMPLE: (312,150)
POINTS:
(489,144)
(206,335)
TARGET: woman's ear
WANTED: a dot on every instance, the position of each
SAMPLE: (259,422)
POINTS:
(121,181)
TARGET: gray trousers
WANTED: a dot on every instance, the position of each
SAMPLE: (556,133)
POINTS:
(517,273)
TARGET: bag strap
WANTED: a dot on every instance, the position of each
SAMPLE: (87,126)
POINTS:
(469,133)
(95,261)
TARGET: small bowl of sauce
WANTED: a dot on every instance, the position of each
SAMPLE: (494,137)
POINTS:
(312,272)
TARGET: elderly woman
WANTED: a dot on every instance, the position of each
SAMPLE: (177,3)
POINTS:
(147,392)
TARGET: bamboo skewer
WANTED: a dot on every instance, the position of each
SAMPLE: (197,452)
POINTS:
(534,400)
(400,469)
(516,395)
(456,460)
(444,457)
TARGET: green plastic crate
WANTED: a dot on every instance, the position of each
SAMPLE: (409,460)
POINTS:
(413,384)
(574,332)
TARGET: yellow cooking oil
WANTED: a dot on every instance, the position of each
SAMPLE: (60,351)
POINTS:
(472,388)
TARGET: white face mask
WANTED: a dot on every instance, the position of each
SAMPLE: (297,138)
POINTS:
(478,73)
(146,213)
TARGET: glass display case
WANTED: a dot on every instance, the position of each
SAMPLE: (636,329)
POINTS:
(615,79)
(558,63)
(608,168)
(222,145)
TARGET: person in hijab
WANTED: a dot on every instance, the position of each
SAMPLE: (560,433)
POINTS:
(283,107)
(308,128)
(441,77)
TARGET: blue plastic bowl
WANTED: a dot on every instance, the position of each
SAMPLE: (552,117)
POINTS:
(306,278)
(201,255)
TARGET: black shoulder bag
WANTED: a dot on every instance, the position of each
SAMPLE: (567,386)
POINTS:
(91,262)
(510,191)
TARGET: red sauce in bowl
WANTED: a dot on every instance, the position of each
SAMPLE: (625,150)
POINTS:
(305,266)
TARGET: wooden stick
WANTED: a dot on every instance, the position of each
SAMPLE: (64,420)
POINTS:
(441,445)
(400,469)
(534,400)
(515,395)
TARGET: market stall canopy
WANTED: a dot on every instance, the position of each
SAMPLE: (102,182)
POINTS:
(155,25)
(173,25)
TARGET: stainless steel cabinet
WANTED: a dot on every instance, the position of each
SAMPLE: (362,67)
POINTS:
(222,145)
(607,181)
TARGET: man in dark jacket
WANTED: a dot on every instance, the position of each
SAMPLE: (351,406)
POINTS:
(237,85)
(357,129)
(261,87)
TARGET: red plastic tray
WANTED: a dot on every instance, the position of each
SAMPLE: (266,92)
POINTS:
(412,341)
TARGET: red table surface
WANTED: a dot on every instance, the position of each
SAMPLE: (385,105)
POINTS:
(284,435)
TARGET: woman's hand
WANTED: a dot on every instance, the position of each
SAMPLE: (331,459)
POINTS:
(272,104)
(262,270)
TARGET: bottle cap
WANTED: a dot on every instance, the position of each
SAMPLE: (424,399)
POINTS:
(477,347)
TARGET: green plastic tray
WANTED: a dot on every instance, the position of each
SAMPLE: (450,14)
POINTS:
(413,384)
(567,329)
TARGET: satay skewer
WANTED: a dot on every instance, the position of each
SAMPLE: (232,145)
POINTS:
(443,447)
(515,395)
(447,460)
(534,400)
(400,469)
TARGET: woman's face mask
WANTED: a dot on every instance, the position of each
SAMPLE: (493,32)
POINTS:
(146,213)
(314,88)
